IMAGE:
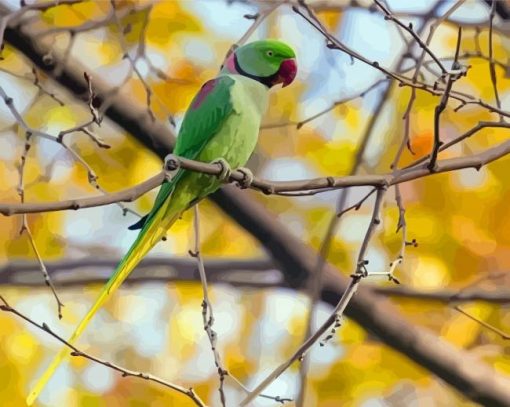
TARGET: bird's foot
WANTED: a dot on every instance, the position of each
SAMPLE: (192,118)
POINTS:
(171,165)
(224,175)
(247,177)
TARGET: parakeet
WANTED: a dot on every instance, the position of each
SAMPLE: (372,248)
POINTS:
(223,123)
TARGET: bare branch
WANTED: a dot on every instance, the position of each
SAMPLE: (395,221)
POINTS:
(475,161)
(207,310)
(490,327)
(91,174)
(434,89)
(409,28)
(446,296)
(91,100)
(492,68)
(124,372)
(335,316)
(26,229)
(254,273)
(450,79)
(43,6)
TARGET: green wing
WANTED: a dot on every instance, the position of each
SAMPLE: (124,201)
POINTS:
(209,109)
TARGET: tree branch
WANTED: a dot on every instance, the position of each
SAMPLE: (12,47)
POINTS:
(125,372)
(254,273)
(322,184)
(207,309)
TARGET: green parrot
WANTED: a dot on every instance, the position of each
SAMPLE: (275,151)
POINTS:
(221,124)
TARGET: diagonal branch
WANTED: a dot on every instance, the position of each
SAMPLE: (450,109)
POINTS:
(336,316)
(124,372)
(409,28)
(491,328)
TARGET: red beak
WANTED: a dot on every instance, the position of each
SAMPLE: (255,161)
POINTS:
(287,72)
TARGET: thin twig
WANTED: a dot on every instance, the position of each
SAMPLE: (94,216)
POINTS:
(258,19)
(208,318)
(207,310)
(492,68)
(490,327)
(26,229)
(42,90)
(91,99)
(43,6)
(133,60)
(341,209)
(278,399)
(409,28)
(91,174)
(124,372)
(406,141)
(450,79)
(83,128)
(435,89)
(335,317)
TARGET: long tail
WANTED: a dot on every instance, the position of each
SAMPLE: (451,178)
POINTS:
(151,233)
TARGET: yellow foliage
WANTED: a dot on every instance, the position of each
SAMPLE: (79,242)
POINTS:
(176,96)
(22,347)
(168,19)
(186,329)
(502,366)
(239,365)
(109,51)
(368,370)
(220,236)
(331,19)
(73,15)
(349,115)
(331,157)
(463,331)
(366,355)
(473,236)
(351,333)
(430,273)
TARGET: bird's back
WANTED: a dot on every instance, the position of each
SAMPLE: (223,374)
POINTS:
(237,137)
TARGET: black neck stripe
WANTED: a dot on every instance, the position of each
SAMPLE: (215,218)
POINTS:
(265,80)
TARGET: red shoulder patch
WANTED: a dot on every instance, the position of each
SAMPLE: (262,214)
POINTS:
(204,91)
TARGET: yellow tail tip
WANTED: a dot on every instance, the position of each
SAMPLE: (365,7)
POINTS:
(140,247)
(32,397)
(48,373)
(34,394)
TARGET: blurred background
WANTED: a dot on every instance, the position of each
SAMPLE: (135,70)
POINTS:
(460,219)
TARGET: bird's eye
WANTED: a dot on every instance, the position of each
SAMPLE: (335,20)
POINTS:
(269,53)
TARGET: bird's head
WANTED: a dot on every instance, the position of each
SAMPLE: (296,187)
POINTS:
(268,61)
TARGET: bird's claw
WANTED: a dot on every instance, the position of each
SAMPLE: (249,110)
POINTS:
(247,177)
(224,175)
(171,165)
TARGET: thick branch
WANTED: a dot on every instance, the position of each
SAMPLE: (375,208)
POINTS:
(475,161)
(254,273)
